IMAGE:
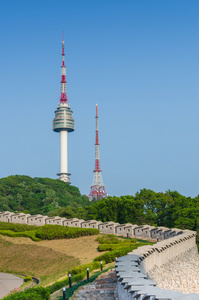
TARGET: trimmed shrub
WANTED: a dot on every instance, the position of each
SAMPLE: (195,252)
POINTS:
(51,232)
(109,247)
(38,293)
(112,239)
(108,239)
(79,269)
(110,256)
(27,278)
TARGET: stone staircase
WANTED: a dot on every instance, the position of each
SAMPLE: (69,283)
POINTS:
(103,288)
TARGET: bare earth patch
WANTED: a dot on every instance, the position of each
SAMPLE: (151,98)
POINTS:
(82,248)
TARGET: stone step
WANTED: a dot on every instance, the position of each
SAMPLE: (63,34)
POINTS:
(103,288)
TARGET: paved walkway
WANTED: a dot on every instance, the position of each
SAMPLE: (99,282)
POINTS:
(103,288)
(8,282)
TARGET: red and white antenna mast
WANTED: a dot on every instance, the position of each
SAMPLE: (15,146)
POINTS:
(97,190)
(63,98)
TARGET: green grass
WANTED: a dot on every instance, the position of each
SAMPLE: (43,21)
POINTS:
(38,261)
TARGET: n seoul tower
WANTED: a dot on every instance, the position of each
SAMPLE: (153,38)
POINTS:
(97,190)
(63,123)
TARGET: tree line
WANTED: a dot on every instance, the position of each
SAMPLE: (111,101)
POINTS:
(54,197)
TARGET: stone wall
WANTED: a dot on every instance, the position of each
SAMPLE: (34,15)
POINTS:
(127,230)
(135,271)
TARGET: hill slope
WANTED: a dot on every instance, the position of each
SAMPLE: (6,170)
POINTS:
(38,195)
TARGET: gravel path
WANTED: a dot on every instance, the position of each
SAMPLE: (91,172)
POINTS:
(181,274)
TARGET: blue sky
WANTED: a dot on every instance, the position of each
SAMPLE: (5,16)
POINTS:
(137,59)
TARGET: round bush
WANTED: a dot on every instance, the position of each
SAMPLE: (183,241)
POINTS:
(27,278)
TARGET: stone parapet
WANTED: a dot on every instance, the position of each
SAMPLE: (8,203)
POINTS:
(127,230)
(133,269)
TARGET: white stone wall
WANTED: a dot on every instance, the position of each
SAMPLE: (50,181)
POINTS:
(130,230)
(160,257)
(19,218)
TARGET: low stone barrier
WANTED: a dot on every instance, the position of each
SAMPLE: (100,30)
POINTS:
(128,230)
(133,269)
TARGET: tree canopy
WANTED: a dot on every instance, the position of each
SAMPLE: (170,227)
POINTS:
(38,195)
(54,197)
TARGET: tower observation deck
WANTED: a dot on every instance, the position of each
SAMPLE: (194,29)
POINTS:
(63,123)
(97,190)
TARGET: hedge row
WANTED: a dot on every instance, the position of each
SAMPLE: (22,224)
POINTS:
(17,227)
(38,293)
(29,234)
(51,232)
(46,232)
(111,255)
(112,239)
(60,284)
(80,269)
(110,247)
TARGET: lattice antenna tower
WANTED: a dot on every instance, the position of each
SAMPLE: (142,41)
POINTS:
(97,190)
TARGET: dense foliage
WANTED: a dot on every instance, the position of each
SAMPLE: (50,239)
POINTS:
(38,293)
(168,209)
(40,195)
(55,197)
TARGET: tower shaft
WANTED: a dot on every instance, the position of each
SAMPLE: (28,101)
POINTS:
(97,190)
(64,151)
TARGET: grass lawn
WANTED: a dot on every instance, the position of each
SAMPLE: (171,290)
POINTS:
(41,262)
(48,260)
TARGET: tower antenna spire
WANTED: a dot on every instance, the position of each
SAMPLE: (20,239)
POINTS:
(63,98)
(97,190)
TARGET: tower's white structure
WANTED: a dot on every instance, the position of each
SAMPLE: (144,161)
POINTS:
(63,123)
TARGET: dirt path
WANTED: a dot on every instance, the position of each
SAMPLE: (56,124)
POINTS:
(84,248)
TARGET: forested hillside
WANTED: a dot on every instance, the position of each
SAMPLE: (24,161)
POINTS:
(54,197)
(39,195)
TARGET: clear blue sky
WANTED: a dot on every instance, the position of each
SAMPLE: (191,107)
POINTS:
(138,59)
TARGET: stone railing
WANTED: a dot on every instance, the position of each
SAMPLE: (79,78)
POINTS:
(132,269)
(129,230)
